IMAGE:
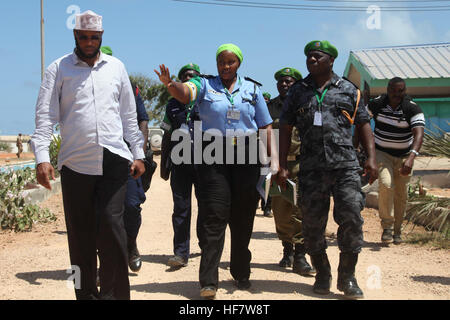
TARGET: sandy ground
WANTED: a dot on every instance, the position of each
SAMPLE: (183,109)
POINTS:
(33,264)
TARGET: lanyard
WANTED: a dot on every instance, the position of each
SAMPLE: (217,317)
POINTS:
(230,96)
(320,100)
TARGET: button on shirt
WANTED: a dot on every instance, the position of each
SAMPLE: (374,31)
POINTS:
(96,109)
(214,102)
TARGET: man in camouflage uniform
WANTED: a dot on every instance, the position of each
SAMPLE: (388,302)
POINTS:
(323,107)
(288,220)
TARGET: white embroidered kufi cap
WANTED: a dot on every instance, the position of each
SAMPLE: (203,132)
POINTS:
(88,21)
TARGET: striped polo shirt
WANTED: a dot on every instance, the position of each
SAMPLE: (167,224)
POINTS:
(393,128)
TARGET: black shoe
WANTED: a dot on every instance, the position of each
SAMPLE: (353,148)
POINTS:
(300,265)
(288,255)
(134,258)
(397,239)
(346,276)
(322,284)
(208,292)
(386,237)
(135,262)
(177,262)
(268,213)
(349,285)
(243,284)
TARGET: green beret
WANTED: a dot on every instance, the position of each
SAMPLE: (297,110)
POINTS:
(266,95)
(230,47)
(106,50)
(323,46)
(291,72)
(189,66)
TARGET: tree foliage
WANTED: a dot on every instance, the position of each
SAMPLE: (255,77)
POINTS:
(437,144)
(154,94)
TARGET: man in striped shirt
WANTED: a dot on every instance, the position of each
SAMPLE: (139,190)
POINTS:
(399,128)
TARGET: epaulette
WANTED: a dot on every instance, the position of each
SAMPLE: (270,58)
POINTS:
(206,76)
(254,81)
(350,82)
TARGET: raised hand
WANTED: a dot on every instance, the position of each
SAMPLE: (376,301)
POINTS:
(164,75)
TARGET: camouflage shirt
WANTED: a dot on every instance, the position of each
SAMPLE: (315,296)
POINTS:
(326,146)
(275,109)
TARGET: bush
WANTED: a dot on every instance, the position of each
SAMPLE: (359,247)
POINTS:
(15,213)
(55,145)
(5,147)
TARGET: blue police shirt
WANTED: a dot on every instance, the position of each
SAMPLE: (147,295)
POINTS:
(214,103)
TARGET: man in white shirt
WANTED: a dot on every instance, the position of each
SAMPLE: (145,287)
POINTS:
(89,94)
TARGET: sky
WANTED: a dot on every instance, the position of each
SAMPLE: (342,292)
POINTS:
(147,33)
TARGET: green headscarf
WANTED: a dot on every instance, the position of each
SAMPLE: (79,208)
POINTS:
(291,72)
(230,47)
(323,46)
(106,50)
(189,66)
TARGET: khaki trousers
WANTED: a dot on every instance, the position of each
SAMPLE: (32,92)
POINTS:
(393,191)
(287,216)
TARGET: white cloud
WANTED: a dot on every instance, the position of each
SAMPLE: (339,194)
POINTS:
(395,29)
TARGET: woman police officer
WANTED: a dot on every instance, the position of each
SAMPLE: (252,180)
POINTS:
(228,194)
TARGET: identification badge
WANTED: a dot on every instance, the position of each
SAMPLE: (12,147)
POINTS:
(233,114)
(318,119)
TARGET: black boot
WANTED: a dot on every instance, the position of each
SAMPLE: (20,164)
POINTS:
(134,258)
(346,276)
(300,265)
(322,284)
(288,255)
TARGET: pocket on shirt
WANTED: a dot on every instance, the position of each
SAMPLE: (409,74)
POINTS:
(342,107)
(342,149)
(303,115)
(213,103)
(247,98)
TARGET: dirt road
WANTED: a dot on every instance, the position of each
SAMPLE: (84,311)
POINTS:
(33,265)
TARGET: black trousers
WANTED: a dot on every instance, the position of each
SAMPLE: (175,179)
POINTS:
(182,178)
(93,208)
(227,196)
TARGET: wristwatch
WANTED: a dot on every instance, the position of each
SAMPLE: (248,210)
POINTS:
(414,151)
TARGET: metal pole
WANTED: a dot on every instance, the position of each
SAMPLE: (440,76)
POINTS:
(42,41)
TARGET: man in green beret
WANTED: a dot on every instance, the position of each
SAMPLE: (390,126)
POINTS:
(189,71)
(182,176)
(323,108)
(323,46)
(287,216)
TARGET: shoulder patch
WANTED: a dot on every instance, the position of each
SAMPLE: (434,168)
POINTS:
(254,81)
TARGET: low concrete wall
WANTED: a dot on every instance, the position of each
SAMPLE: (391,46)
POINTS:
(428,178)
(40,194)
(432,178)
(11,141)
